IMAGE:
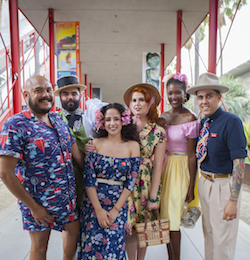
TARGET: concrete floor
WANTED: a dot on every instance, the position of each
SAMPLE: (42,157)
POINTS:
(15,243)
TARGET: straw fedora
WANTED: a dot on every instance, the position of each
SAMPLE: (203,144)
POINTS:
(69,81)
(155,91)
(207,81)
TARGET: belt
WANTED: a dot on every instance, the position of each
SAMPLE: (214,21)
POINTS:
(177,153)
(110,181)
(212,176)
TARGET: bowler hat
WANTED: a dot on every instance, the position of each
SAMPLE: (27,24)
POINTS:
(155,91)
(207,81)
(69,81)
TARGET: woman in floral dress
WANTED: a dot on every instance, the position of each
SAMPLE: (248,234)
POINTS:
(109,177)
(143,100)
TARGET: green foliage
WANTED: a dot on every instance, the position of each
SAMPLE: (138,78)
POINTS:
(229,7)
(226,7)
(236,99)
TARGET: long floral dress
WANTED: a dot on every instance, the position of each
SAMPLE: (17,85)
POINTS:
(96,242)
(150,136)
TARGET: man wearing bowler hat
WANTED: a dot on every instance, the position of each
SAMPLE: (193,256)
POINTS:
(221,152)
(69,90)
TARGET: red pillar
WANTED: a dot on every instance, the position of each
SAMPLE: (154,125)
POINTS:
(52,50)
(34,42)
(15,55)
(85,91)
(178,41)
(23,71)
(162,75)
(212,48)
(90,90)
(7,76)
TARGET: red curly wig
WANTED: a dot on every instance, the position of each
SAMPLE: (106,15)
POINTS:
(148,94)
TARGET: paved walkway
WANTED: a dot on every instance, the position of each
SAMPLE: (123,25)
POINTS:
(15,243)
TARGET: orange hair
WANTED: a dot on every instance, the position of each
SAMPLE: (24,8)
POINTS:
(148,94)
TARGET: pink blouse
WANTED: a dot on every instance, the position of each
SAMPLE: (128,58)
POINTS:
(177,135)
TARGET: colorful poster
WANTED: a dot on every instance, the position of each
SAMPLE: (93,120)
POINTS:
(151,68)
(68,49)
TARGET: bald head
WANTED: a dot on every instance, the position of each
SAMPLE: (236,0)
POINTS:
(35,80)
(39,95)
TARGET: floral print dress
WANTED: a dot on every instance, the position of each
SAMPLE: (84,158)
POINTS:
(150,136)
(96,242)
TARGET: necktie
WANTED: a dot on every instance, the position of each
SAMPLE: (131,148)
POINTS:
(201,149)
(72,118)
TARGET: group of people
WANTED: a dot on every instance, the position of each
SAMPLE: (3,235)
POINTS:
(137,164)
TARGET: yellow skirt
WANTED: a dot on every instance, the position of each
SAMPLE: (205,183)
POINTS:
(175,183)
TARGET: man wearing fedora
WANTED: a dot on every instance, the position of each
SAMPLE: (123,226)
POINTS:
(69,90)
(221,155)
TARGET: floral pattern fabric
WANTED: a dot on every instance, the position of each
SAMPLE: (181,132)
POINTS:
(44,166)
(150,136)
(96,242)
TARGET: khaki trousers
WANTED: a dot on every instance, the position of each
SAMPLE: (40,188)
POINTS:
(219,235)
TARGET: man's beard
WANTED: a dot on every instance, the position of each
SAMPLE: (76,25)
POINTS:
(34,106)
(72,107)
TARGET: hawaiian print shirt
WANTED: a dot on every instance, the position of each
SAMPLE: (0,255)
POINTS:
(44,164)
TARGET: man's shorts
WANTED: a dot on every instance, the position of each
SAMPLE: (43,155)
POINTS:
(60,220)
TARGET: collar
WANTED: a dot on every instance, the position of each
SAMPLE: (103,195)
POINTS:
(214,116)
(31,116)
(78,112)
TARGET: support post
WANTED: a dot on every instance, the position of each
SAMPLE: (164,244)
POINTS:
(85,91)
(178,40)
(90,90)
(212,48)
(162,76)
(52,50)
(15,55)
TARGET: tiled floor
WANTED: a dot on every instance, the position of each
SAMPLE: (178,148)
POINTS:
(15,243)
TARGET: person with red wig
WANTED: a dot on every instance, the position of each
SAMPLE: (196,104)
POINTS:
(143,99)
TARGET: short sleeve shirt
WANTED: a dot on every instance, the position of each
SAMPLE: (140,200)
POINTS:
(44,160)
(226,142)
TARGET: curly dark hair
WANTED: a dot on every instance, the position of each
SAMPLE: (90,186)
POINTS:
(181,83)
(128,132)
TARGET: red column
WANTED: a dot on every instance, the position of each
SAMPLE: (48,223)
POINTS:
(7,76)
(162,75)
(178,41)
(90,90)
(15,55)
(23,70)
(52,50)
(212,48)
(34,43)
(85,91)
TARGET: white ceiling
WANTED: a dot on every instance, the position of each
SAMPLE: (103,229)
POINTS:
(115,33)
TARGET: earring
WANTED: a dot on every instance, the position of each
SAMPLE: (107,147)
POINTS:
(185,99)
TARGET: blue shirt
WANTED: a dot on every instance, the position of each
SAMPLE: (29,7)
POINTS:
(226,142)
(44,164)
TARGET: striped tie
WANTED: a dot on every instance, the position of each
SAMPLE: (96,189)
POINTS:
(201,149)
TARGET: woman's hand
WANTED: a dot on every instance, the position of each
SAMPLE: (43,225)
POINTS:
(114,213)
(104,218)
(151,205)
(190,195)
(89,147)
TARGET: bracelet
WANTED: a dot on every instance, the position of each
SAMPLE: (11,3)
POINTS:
(151,200)
(116,208)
